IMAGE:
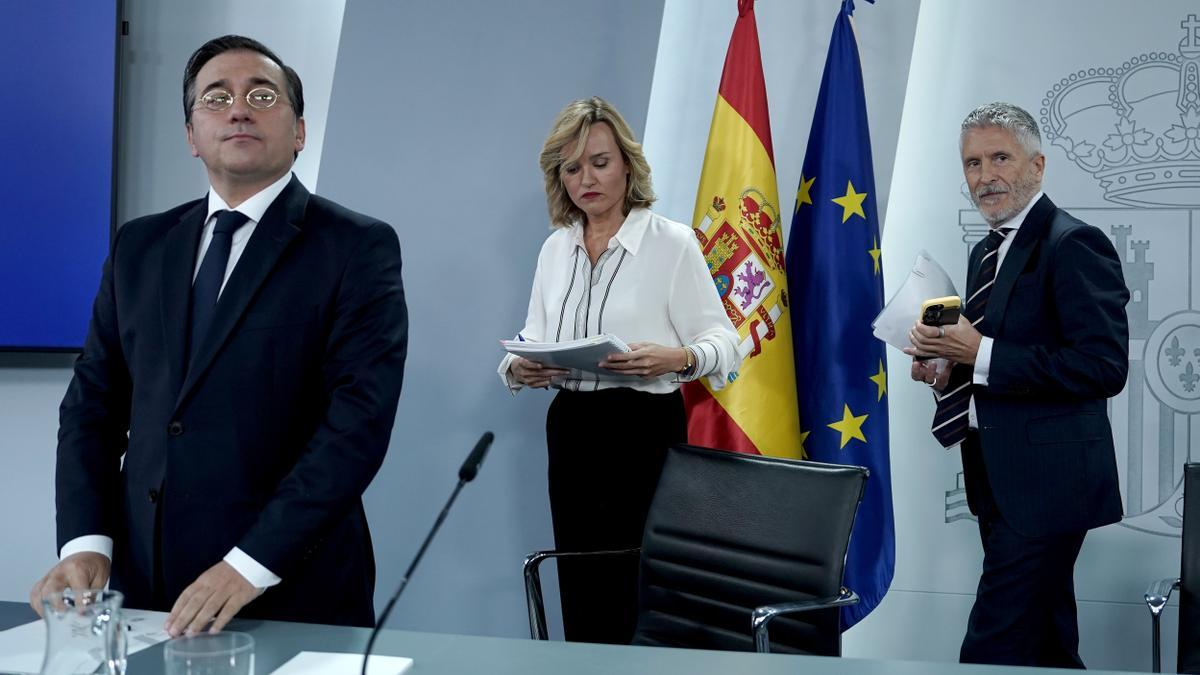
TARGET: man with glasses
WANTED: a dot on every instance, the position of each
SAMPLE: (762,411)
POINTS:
(239,381)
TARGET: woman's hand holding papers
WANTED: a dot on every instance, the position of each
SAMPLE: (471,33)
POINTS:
(534,374)
(647,359)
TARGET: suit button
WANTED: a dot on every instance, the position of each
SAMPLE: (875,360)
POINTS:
(152,495)
(175,428)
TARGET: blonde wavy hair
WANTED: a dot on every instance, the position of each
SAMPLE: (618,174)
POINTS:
(572,126)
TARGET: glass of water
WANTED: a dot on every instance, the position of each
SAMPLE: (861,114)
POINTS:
(227,653)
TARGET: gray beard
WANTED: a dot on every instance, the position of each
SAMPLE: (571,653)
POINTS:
(1022,191)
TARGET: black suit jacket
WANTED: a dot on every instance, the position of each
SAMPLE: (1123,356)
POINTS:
(1057,315)
(268,438)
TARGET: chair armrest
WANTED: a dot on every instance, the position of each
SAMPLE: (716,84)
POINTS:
(1158,593)
(533,584)
(762,616)
(1157,596)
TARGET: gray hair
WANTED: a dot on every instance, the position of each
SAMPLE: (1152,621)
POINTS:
(1005,116)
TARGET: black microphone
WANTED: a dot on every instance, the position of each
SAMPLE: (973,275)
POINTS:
(466,474)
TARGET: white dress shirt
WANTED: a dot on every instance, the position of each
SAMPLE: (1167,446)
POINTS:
(650,285)
(983,358)
(254,208)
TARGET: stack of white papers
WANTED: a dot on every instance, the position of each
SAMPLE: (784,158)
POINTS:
(925,281)
(582,357)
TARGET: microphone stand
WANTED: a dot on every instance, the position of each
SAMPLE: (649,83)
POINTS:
(466,473)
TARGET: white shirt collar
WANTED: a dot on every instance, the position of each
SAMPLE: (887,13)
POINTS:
(1015,222)
(254,207)
(633,229)
(629,235)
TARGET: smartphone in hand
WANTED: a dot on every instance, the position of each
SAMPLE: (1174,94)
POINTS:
(940,312)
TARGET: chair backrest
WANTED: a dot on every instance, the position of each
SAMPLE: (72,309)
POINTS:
(727,533)
(1189,574)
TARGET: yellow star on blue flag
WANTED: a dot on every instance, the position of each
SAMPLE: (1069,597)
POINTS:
(851,202)
(880,380)
(802,194)
(850,426)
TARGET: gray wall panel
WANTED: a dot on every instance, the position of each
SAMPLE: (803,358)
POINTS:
(437,117)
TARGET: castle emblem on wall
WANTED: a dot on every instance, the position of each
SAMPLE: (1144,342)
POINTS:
(1135,128)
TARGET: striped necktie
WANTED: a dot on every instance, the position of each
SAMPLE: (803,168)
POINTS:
(950,419)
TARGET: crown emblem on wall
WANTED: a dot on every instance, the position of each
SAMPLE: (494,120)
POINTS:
(1135,127)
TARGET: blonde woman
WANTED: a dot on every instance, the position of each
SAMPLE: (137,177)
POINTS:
(613,266)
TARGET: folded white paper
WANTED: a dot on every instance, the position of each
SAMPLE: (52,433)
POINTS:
(925,281)
(328,663)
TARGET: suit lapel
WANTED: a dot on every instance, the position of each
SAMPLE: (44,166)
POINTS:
(279,226)
(1028,235)
(178,266)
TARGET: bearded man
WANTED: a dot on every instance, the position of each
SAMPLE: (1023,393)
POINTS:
(1041,345)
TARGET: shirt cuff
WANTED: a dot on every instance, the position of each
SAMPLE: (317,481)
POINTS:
(506,375)
(88,543)
(707,359)
(983,361)
(250,569)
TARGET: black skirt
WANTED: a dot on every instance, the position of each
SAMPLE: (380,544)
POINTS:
(606,452)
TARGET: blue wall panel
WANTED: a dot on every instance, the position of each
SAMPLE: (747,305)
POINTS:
(58,73)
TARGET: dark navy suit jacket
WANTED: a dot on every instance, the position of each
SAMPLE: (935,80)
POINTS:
(1057,315)
(268,438)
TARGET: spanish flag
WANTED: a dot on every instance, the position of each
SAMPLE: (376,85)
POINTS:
(737,222)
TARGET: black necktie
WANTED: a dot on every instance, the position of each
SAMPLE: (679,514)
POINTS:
(950,419)
(207,286)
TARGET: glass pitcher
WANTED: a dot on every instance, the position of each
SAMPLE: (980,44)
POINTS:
(83,633)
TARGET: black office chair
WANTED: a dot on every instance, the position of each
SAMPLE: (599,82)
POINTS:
(1188,583)
(735,544)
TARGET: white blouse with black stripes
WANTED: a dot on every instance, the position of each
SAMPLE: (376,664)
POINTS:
(650,285)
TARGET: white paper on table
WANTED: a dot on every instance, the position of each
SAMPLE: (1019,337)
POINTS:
(145,628)
(23,647)
(22,650)
(329,663)
(925,281)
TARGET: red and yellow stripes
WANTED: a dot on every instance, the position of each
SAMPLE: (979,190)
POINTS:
(737,220)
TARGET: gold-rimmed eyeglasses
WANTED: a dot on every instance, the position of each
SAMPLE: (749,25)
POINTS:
(217,100)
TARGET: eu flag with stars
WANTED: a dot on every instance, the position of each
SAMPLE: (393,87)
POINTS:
(834,275)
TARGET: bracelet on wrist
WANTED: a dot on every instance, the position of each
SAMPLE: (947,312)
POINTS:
(689,365)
